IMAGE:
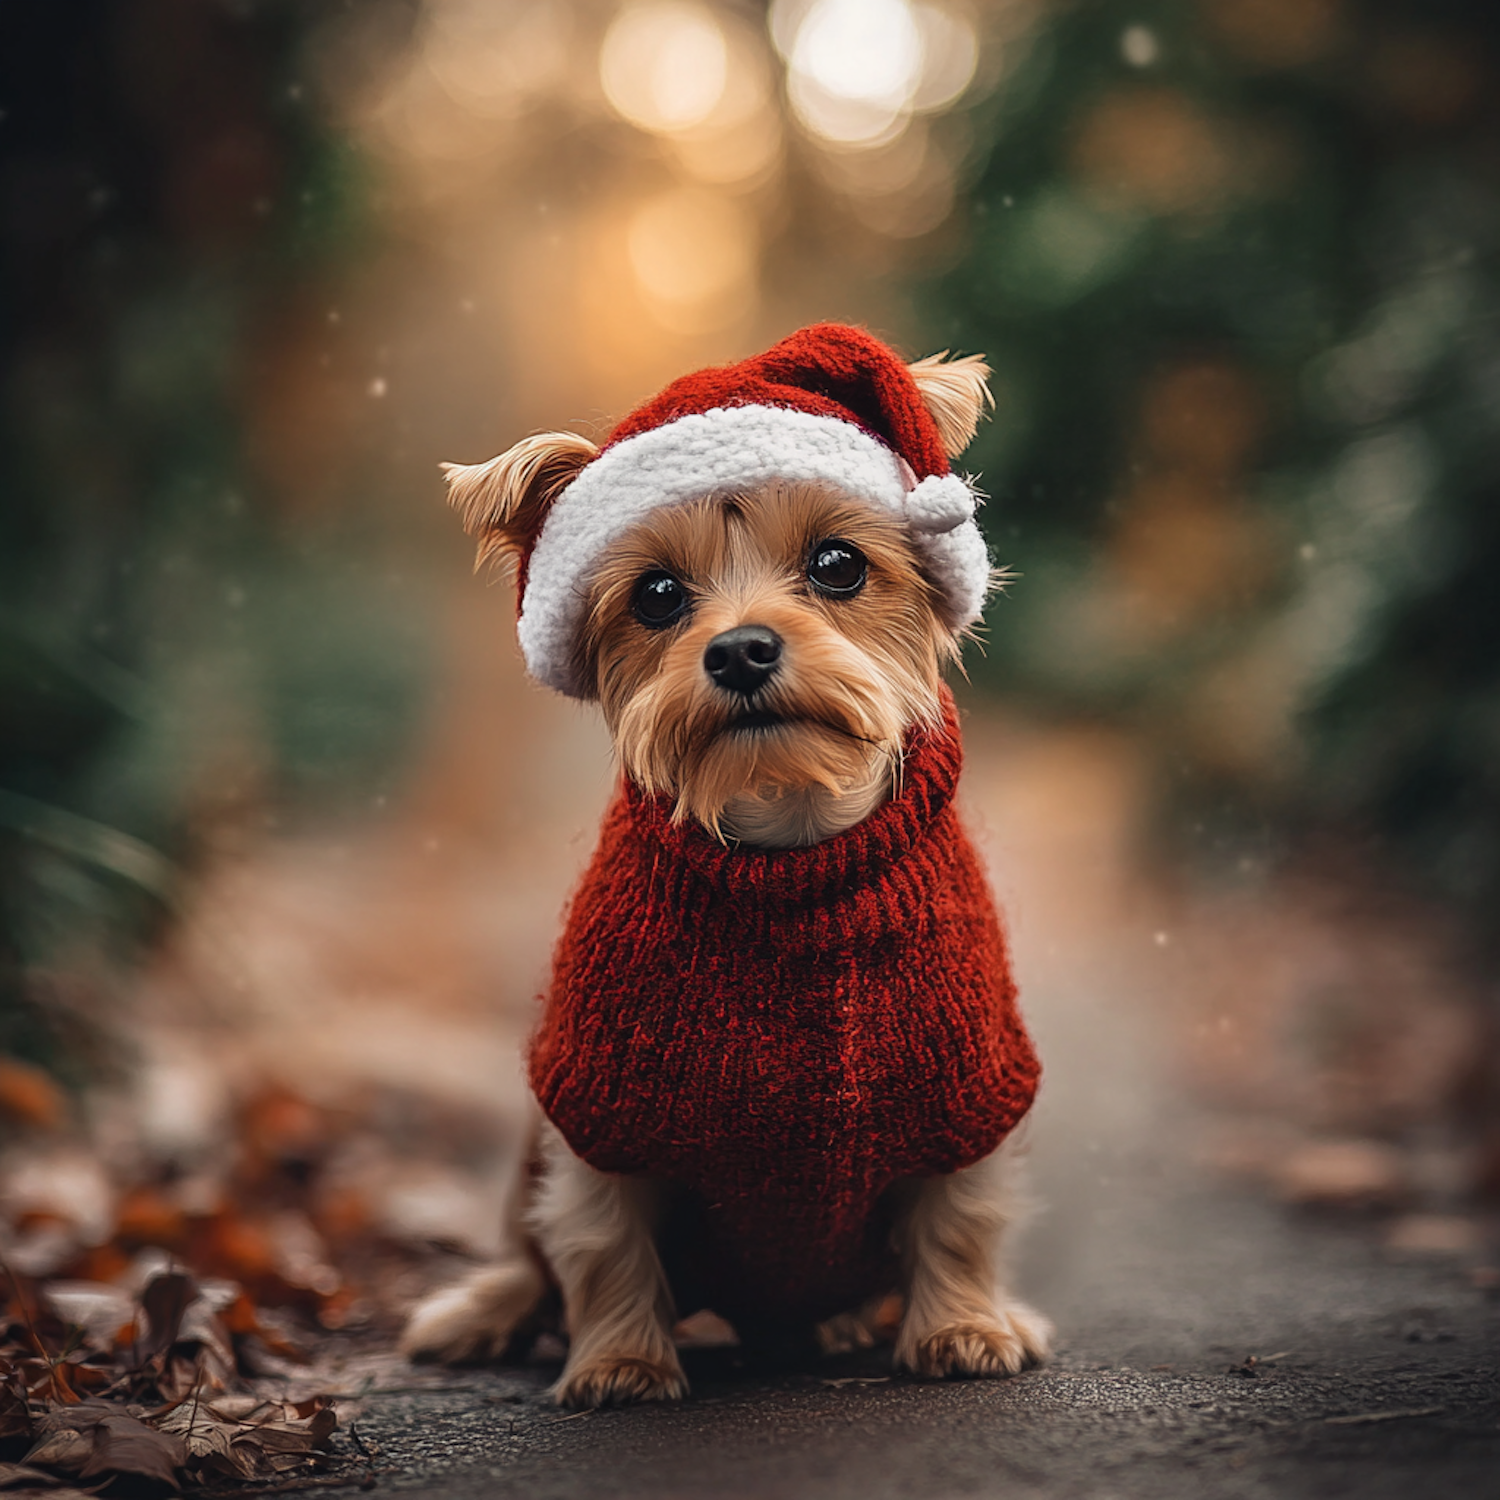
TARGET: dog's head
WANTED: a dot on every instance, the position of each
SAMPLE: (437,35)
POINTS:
(760,649)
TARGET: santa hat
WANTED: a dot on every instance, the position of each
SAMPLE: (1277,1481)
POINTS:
(829,403)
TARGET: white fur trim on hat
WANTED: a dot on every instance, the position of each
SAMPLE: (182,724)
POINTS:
(938,504)
(728,449)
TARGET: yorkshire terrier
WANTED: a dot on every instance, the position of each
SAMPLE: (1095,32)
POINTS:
(780,1063)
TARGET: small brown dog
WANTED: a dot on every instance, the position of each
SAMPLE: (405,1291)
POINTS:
(780,1062)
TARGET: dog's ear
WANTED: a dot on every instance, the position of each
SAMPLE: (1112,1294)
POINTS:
(956,393)
(502,501)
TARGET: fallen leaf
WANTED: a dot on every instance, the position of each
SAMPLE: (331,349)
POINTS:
(200,1325)
(165,1299)
(67,1448)
(27,1481)
(236,1406)
(208,1445)
(253,1438)
(125,1445)
(46,1380)
(29,1096)
(146,1216)
(1343,1173)
(237,1247)
(97,1310)
(15,1413)
(13,1476)
(1433,1234)
(97,1438)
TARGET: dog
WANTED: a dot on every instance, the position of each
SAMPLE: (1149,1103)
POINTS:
(780,1067)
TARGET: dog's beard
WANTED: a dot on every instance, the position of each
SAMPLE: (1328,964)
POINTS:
(710,749)
(767,764)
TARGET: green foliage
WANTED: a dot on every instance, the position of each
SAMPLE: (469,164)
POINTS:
(177,649)
(1243,304)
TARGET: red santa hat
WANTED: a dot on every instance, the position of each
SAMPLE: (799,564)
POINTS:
(830,403)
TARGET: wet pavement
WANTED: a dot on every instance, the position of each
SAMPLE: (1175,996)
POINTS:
(1210,1342)
(1371,1379)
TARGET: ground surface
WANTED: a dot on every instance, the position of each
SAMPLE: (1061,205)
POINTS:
(1386,1384)
(1375,1377)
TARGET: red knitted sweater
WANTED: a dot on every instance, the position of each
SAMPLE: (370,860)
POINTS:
(784,1034)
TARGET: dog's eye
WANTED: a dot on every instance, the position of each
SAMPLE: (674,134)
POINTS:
(837,567)
(659,600)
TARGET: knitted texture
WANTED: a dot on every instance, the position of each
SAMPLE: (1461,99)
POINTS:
(784,1034)
(830,404)
(828,369)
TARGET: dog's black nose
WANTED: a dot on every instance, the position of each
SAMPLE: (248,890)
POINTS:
(743,659)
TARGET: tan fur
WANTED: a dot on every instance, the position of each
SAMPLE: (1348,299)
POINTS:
(856,674)
(475,1318)
(960,1320)
(773,817)
(596,1230)
(501,500)
(956,392)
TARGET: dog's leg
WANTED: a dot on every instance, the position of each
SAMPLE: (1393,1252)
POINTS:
(596,1231)
(474,1319)
(960,1320)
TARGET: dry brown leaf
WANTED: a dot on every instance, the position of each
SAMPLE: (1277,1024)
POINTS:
(29,1096)
(95,1438)
(20,1480)
(96,1309)
(164,1301)
(253,1438)
(15,1413)
(67,1448)
(1350,1173)
(240,1406)
(209,1447)
(125,1445)
(21,1476)
(292,1437)
(200,1325)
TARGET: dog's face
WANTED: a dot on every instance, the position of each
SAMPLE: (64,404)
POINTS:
(771,647)
(760,657)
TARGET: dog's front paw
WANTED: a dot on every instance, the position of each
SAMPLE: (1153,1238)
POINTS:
(616,1379)
(1017,1337)
(475,1319)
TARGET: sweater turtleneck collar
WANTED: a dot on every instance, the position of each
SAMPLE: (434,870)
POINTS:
(848,860)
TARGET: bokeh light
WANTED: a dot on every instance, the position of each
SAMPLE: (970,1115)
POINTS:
(858,69)
(664,64)
(1152,149)
(854,67)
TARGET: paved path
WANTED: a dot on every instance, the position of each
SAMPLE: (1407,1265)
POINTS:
(1375,1378)
(1386,1384)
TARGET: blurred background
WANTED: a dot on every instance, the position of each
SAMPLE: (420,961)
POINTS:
(284,831)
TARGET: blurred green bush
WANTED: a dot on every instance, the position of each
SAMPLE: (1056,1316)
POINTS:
(182,653)
(1236,262)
